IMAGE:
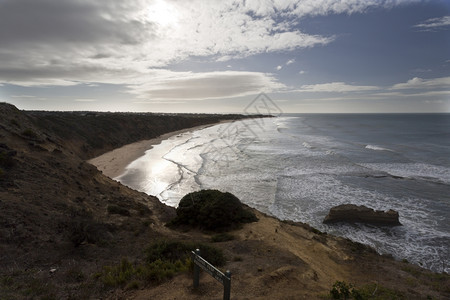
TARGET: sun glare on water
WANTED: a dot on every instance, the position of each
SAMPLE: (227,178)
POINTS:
(162,13)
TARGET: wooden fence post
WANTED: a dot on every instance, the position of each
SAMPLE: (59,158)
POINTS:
(227,286)
(196,269)
(224,279)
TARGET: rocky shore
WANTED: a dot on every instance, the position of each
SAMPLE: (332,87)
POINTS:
(64,225)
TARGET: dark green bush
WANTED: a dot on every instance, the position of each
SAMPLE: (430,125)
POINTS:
(119,274)
(343,290)
(212,210)
(164,259)
(176,250)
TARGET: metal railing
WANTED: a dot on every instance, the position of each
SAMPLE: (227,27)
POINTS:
(224,279)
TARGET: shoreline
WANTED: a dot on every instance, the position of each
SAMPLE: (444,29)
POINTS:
(114,163)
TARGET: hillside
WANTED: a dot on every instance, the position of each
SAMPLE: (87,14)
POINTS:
(62,221)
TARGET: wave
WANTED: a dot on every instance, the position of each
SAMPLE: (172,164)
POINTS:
(307,145)
(412,170)
(378,148)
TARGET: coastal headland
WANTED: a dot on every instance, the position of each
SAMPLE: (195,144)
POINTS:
(65,224)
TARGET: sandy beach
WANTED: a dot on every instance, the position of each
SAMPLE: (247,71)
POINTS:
(113,163)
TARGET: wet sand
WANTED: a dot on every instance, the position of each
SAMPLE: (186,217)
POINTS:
(113,163)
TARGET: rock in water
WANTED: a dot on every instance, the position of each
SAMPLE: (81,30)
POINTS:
(351,213)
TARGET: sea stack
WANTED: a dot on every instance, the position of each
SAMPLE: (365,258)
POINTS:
(352,213)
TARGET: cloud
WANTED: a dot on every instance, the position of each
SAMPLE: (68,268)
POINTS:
(66,42)
(434,101)
(86,100)
(160,102)
(22,96)
(419,83)
(301,72)
(326,7)
(291,61)
(278,68)
(434,23)
(168,85)
(336,87)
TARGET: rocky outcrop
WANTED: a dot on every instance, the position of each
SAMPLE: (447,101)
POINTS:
(351,213)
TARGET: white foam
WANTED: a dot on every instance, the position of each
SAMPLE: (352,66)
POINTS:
(308,198)
(412,170)
(377,148)
(307,145)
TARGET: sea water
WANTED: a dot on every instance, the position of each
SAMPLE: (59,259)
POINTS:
(296,167)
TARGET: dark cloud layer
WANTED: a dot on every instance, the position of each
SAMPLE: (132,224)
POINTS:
(25,22)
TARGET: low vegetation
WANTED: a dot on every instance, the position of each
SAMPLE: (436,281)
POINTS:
(163,260)
(212,210)
(373,291)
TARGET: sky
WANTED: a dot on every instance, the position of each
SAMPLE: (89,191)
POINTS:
(218,56)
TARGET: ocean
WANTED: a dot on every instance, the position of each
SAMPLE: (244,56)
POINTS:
(297,166)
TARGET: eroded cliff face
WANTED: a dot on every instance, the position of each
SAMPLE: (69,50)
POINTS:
(90,134)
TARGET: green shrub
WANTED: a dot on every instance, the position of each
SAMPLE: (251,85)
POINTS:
(115,209)
(133,285)
(342,290)
(212,210)
(161,270)
(126,273)
(164,259)
(176,250)
(379,292)
(119,274)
